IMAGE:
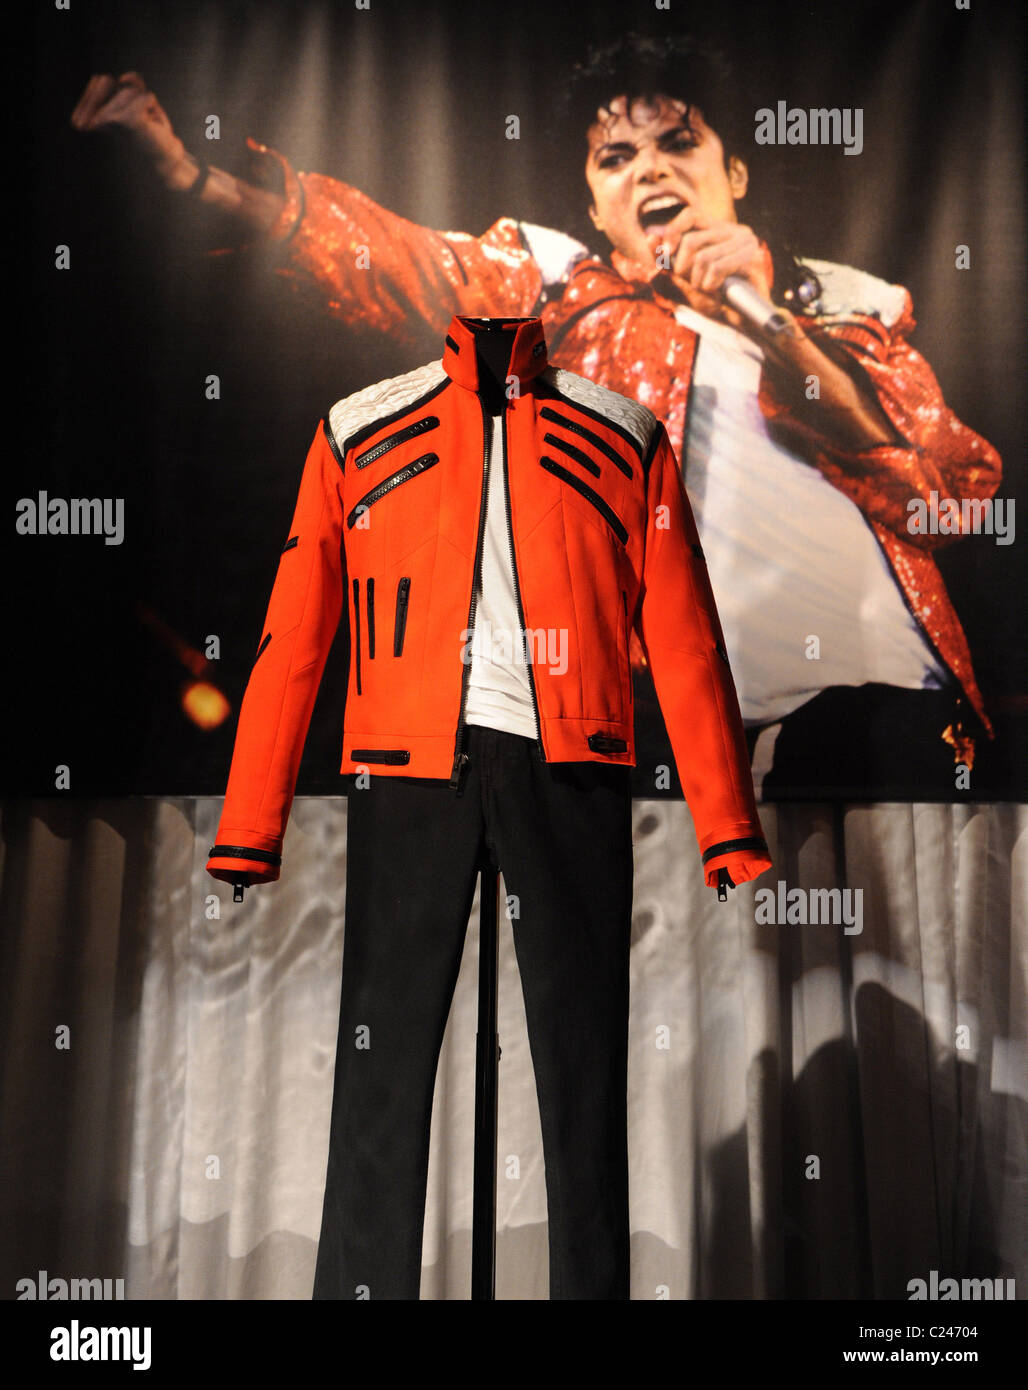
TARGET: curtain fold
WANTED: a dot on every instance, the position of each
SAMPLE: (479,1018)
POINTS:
(814,1112)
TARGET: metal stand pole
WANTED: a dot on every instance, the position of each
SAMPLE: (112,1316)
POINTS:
(487,1056)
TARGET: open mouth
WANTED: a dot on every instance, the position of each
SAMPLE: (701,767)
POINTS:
(658,212)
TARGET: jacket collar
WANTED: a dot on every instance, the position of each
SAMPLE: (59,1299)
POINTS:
(460,361)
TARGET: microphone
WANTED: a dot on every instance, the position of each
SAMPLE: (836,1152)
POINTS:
(759,312)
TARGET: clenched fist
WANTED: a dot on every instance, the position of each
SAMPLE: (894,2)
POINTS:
(125,103)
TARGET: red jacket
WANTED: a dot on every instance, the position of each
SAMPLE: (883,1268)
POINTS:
(615,325)
(389,521)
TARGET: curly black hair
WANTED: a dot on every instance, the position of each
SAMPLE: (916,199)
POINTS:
(692,69)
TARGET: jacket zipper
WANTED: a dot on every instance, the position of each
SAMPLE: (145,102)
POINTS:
(403,475)
(357,630)
(383,447)
(517,591)
(609,515)
(400,624)
(460,757)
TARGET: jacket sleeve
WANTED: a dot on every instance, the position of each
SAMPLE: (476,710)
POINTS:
(680,630)
(302,617)
(381,272)
(933,450)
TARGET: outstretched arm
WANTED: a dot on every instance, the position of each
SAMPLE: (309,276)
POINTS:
(349,255)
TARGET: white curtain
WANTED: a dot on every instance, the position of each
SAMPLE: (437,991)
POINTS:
(812,1114)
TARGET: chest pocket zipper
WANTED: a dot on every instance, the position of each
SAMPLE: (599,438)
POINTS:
(357,632)
(400,624)
(607,512)
(402,475)
(391,441)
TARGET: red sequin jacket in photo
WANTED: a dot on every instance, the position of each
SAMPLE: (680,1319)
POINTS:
(385,274)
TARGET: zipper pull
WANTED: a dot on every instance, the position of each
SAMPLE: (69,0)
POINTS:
(460,763)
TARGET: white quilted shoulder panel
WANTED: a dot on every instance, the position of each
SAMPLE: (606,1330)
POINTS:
(637,419)
(553,252)
(847,290)
(380,400)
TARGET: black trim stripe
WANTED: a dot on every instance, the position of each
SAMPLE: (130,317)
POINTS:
(452,343)
(551,391)
(861,348)
(297,221)
(337,453)
(875,327)
(456,259)
(594,439)
(371,617)
(728,846)
(427,422)
(402,475)
(290,543)
(608,514)
(365,432)
(265,856)
(655,438)
(572,452)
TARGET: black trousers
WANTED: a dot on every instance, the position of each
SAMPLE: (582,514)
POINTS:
(562,837)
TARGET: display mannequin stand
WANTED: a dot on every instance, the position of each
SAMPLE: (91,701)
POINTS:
(487,1057)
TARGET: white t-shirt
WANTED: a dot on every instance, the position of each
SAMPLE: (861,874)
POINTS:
(498,694)
(790,557)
